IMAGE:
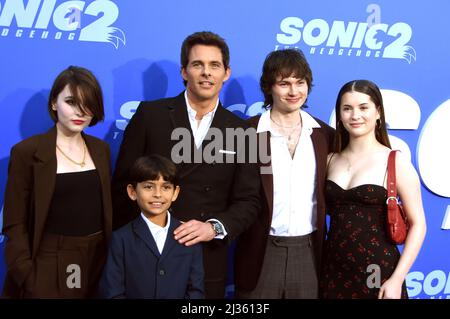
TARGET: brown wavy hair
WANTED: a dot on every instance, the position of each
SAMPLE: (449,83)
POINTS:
(283,63)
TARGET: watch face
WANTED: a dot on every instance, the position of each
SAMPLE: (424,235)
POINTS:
(217,228)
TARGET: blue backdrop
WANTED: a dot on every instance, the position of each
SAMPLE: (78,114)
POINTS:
(133,48)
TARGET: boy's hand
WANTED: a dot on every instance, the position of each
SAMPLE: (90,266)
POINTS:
(193,231)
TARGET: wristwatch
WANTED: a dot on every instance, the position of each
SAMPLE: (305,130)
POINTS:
(217,227)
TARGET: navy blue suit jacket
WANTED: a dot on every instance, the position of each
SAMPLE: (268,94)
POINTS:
(136,269)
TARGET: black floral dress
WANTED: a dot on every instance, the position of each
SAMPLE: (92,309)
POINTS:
(358,257)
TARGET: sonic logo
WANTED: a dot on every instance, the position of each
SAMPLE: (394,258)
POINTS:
(33,20)
(435,285)
(348,38)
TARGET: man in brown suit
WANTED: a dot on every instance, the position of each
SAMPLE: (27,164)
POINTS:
(279,256)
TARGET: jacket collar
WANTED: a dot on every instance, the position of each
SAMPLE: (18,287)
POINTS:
(179,114)
(45,169)
(140,227)
(179,117)
(319,144)
(45,150)
(47,144)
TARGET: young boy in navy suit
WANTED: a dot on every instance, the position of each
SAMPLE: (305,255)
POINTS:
(144,260)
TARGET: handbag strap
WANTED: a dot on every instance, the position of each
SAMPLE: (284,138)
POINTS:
(391,180)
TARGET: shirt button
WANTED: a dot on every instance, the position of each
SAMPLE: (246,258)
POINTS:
(207,188)
(162,272)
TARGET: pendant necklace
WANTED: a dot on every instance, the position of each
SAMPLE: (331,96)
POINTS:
(82,163)
(291,133)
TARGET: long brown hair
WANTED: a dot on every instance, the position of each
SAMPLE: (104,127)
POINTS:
(341,138)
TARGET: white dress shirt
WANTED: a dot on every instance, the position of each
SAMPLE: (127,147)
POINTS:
(159,233)
(199,128)
(294,179)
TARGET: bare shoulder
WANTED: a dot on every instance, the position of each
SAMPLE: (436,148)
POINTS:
(402,160)
(380,156)
(404,167)
(383,151)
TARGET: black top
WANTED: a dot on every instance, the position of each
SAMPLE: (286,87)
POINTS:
(76,208)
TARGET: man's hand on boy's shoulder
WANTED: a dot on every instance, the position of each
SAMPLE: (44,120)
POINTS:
(193,232)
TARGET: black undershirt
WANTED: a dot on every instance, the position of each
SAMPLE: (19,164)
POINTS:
(76,208)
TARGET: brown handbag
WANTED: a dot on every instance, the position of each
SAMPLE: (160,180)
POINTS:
(397,222)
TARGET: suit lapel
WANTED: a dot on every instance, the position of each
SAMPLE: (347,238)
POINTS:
(265,169)
(179,118)
(44,171)
(320,145)
(178,113)
(266,172)
(170,240)
(143,232)
(220,120)
(101,162)
(321,151)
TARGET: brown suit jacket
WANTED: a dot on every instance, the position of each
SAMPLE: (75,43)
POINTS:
(251,245)
(29,190)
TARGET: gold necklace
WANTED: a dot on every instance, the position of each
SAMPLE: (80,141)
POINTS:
(289,135)
(82,163)
(296,125)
